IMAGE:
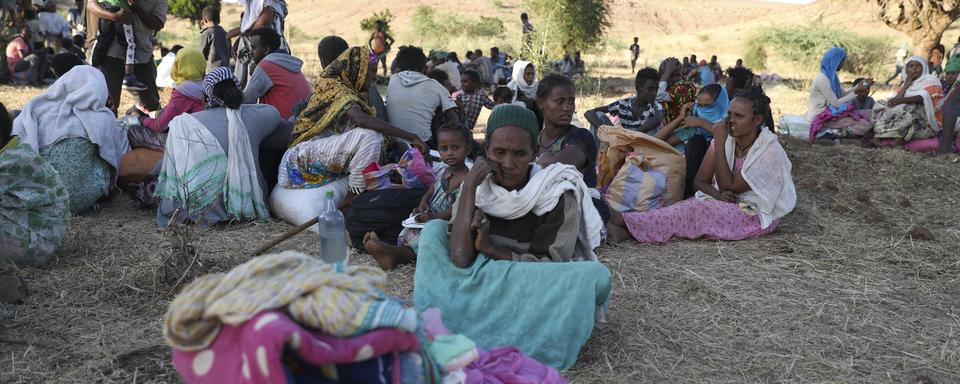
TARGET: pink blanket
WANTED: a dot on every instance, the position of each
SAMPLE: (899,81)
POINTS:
(251,353)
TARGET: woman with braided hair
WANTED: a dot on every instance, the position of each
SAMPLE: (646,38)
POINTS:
(744,185)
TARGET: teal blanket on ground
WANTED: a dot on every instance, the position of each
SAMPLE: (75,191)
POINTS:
(547,310)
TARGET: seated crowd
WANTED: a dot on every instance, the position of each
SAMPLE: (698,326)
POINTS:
(691,154)
(920,115)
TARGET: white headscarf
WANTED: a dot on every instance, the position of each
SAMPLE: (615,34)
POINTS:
(517,84)
(767,170)
(919,88)
(74,106)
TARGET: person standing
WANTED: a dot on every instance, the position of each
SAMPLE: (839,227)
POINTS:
(53,26)
(213,40)
(901,56)
(527,36)
(147,17)
(257,14)
(634,54)
(380,43)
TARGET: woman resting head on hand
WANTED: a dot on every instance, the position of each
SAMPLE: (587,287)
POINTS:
(510,209)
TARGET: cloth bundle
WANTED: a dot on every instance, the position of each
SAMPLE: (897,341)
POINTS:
(337,304)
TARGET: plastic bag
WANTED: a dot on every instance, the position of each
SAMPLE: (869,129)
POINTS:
(412,172)
(637,187)
(616,143)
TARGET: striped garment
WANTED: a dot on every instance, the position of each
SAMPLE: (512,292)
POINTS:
(197,172)
(337,304)
(628,119)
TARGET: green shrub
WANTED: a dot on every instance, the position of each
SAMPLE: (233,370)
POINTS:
(370,24)
(806,45)
(189,9)
(579,24)
(438,28)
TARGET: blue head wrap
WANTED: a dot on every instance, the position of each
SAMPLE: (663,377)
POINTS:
(828,66)
(716,110)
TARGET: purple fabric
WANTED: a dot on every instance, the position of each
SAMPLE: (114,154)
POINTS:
(509,366)
(817,124)
(930,145)
(252,352)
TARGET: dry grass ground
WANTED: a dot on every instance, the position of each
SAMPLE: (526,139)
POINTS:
(840,293)
(859,283)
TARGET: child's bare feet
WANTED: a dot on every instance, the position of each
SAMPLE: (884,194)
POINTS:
(377,248)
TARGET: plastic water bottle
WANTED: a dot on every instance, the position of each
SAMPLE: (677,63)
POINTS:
(333,235)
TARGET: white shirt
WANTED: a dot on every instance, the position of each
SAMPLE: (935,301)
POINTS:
(52,23)
(165,70)
(821,95)
(452,72)
(412,101)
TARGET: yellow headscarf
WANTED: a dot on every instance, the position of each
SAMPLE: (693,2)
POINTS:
(340,87)
(189,65)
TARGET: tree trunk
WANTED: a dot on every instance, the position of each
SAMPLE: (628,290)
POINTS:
(924,21)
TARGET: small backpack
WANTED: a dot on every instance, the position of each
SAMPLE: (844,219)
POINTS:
(380,211)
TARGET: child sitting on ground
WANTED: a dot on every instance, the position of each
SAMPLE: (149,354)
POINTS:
(130,81)
(697,119)
(454,144)
(863,100)
(641,112)
(471,99)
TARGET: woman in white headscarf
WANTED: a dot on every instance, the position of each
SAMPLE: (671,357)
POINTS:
(257,14)
(524,81)
(914,110)
(71,127)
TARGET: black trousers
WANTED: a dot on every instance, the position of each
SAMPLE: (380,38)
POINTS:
(113,71)
(696,150)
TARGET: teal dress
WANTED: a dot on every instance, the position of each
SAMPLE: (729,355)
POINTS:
(83,172)
(33,206)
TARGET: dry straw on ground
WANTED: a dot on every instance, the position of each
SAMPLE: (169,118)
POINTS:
(840,293)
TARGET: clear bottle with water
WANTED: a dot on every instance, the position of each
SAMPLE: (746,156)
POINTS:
(333,235)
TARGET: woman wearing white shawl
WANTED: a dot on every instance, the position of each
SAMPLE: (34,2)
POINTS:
(914,110)
(744,185)
(257,14)
(524,81)
(484,276)
(211,171)
(71,127)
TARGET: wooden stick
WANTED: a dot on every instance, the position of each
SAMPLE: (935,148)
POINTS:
(286,236)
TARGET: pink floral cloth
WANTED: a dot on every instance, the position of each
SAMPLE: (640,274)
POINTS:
(694,219)
(251,353)
(848,123)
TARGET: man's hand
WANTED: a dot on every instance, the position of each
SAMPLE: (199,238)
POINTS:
(481,227)
(420,146)
(123,17)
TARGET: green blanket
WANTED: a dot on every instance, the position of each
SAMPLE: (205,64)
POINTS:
(547,310)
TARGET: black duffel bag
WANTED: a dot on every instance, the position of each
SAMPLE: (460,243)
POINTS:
(381,211)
